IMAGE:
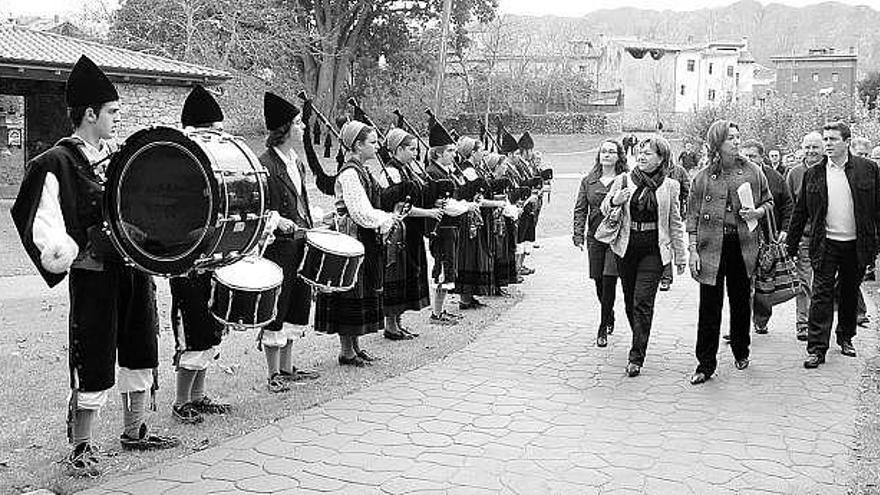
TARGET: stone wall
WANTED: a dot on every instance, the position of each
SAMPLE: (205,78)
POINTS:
(144,106)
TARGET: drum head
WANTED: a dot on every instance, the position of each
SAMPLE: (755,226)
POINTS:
(250,274)
(160,200)
(335,243)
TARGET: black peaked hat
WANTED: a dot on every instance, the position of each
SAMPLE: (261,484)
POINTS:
(508,143)
(437,135)
(200,108)
(277,111)
(88,85)
(526,142)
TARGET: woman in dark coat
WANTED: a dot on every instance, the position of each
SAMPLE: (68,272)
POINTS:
(287,196)
(610,162)
(723,246)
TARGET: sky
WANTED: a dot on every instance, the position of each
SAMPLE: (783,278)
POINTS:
(581,7)
(531,7)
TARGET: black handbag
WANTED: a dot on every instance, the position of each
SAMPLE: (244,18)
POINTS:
(776,277)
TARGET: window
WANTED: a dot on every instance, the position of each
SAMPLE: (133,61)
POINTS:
(737,78)
(794,78)
(729,71)
(710,67)
(691,64)
(711,95)
(681,91)
(815,77)
(835,77)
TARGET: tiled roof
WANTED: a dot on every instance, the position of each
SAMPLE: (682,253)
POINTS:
(39,49)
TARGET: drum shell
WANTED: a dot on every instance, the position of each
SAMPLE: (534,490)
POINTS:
(180,199)
(328,270)
(244,309)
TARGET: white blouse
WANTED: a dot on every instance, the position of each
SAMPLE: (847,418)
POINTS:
(351,191)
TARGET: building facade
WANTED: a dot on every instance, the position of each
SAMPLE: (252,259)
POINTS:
(820,71)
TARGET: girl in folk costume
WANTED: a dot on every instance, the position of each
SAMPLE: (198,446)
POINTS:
(287,196)
(197,333)
(406,264)
(476,270)
(444,246)
(358,311)
(504,224)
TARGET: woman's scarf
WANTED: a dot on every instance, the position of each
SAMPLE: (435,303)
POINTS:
(648,184)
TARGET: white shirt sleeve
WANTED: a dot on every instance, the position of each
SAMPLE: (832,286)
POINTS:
(49,232)
(456,207)
(358,204)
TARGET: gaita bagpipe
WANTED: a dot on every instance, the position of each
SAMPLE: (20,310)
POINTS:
(196,199)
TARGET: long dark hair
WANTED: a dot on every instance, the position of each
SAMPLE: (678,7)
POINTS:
(715,137)
(620,166)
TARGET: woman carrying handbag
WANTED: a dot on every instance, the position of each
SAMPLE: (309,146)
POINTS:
(650,235)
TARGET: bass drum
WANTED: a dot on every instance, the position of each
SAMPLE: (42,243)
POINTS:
(176,200)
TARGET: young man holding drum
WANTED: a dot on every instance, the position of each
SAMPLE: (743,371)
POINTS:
(112,306)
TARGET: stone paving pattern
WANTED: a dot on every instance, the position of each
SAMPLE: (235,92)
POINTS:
(534,407)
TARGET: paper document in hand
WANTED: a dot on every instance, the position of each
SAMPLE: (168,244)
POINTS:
(748,201)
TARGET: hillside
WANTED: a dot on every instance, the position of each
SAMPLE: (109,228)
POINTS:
(772,30)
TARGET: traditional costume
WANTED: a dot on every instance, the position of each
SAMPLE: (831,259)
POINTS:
(357,311)
(197,333)
(287,196)
(112,306)
(406,265)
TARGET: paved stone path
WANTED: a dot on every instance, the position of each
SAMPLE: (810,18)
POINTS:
(533,407)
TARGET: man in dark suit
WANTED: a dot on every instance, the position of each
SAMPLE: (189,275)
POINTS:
(841,203)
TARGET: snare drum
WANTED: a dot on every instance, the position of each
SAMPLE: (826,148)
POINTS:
(331,260)
(176,200)
(245,293)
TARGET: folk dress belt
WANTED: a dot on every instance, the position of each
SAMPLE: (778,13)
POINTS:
(643,226)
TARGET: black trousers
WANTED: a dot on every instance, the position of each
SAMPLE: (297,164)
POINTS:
(606,291)
(112,320)
(640,271)
(839,264)
(731,270)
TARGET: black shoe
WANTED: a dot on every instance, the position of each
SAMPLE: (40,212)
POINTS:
(355,361)
(206,405)
(699,377)
(397,335)
(802,334)
(633,369)
(847,349)
(726,337)
(83,461)
(299,374)
(146,441)
(863,321)
(276,384)
(408,331)
(366,356)
(186,414)
(665,285)
(474,304)
(761,330)
(609,329)
(741,364)
(601,341)
(813,361)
